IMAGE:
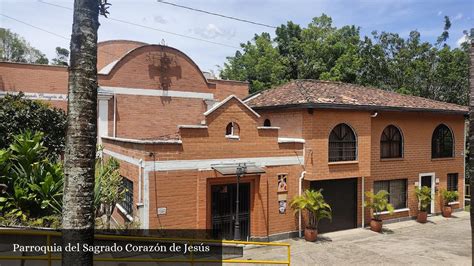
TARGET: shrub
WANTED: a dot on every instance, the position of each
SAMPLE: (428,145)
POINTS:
(108,189)
(19,115)
(423,195)
(32,183)
(378,203)
(449,196)
(314,204)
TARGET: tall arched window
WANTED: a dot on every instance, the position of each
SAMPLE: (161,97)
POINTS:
(267,123)
(442,142)
(391,143)
(342,144)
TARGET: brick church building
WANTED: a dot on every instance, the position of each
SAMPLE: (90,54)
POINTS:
(182,137)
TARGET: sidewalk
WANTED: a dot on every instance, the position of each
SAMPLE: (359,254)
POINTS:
(441,241)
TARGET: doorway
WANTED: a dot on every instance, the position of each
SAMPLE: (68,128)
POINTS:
(223,214)
(428,181)
(341,195)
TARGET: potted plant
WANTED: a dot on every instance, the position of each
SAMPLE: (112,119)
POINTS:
(423,195)
(378,203)
(448,197)
(313,203)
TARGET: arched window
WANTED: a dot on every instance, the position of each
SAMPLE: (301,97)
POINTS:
(442,142)
(391,143)
(232,130)
(267,123)
(342,144)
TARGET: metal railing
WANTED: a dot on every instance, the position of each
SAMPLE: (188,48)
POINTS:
(192,260)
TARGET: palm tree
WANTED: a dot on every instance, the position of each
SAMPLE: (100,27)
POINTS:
(313,203)
(471,134)
(78,199)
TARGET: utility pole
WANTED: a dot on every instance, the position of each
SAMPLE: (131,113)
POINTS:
(241,169)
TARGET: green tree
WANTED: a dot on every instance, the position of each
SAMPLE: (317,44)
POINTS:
(14,48)
(319,51)
(384,60)
(62,57)
(19,114)
(260,64)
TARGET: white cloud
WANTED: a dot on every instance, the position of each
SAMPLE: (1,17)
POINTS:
(458,16)
(211,31)
(440,13)
(462,40)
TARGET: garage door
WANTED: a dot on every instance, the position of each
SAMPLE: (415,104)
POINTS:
(342,196)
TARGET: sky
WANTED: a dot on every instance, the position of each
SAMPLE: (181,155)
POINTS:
(399,16)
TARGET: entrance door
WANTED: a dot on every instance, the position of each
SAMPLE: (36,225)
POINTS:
(341,195)
(223,210)
(427,180)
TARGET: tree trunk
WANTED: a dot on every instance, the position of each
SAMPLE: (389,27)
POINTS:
(78,207)
(110,210)
(471,137)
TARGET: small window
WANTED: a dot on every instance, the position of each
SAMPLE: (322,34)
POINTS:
(232,130)
(391,143)
(453,182)
(397,190)
(342,144)
(442,142)
(127,203)
(267,123)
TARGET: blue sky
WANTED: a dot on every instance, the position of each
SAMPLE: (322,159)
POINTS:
(400,16)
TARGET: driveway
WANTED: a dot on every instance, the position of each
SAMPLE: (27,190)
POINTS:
(441,241)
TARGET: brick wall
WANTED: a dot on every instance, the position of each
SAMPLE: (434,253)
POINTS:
(417,130)
(33,78)
(109,51)
(145,117)
(186,193)
(145,67)
(225,88)
(289,121)
(316,129)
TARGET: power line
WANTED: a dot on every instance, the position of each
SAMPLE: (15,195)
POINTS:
(151,28)
(33,26)
(216,14)
(66,38)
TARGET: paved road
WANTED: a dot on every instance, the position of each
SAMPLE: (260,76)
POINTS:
(441,241)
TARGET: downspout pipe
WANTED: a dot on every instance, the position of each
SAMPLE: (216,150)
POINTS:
(140,165)
(300,191)
(115,115)
(363,202)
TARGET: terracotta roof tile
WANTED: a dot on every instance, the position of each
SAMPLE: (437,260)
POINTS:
(330,94)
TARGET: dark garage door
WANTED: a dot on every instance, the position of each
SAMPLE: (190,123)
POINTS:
(342,196)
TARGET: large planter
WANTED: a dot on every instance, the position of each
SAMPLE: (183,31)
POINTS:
(376,225)
(446,211)
(422,217)
(310,234)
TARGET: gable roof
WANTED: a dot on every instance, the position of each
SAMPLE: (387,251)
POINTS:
(338,95)
(217,106)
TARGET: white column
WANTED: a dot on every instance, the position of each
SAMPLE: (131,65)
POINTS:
(103,116)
